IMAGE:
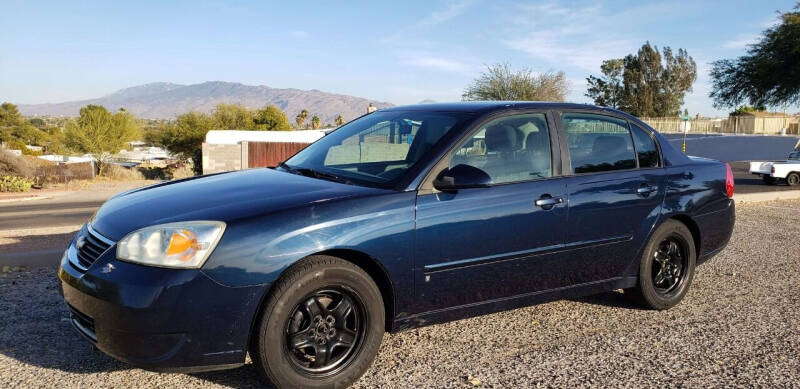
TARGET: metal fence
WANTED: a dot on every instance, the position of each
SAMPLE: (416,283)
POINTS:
(729,125)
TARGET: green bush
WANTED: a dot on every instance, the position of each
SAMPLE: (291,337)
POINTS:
(15,184)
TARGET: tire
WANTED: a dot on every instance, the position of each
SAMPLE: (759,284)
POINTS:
(793,179)
(653,288)
(769,180)
(302,308)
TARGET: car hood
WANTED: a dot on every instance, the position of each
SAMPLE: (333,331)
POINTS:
(222,197)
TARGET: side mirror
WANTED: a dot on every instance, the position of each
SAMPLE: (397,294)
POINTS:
(461,177)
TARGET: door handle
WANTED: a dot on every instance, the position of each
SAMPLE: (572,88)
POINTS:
(548,202)
(645,190)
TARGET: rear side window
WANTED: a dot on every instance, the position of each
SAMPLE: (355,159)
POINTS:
(646,149)
(598,143)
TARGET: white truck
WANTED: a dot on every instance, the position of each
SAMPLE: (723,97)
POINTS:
(773,171)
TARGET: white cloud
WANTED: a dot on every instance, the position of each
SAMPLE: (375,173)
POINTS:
(741,41)
(452,10)
(580,38)
(439,63)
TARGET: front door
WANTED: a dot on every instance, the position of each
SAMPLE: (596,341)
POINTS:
(481,244)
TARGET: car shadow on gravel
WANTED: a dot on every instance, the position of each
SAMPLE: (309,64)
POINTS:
(610,299)
(35,327)
(35,330)
(244,377)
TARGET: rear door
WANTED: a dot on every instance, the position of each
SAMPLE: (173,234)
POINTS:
(487,243)
(615,190)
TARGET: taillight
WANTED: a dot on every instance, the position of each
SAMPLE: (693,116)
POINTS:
(772,169)
(729,185)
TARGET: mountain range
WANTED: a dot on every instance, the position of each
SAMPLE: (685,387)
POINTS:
(163,100)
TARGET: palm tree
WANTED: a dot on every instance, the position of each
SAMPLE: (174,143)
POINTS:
(315,122)
(339,120)
(299,119)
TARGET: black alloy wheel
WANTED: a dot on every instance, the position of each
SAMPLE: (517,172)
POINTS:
(320,326)
(668,264)
(325,331)
(666,267)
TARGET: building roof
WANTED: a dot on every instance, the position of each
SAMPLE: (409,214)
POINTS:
(232,137)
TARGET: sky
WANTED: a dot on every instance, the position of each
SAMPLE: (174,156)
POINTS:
(402,52)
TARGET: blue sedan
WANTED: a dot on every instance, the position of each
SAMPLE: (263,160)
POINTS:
(405,217)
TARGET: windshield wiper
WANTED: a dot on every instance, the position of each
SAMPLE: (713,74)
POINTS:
(321,175)
(286,167)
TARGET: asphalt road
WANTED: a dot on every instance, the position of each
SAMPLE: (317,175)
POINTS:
(60,210)
(737,327)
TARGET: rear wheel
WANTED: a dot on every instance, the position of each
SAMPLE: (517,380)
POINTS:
(667,267)
(793,179)
(321,326)
(769,180)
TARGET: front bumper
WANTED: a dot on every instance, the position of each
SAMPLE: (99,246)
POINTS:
(157,318)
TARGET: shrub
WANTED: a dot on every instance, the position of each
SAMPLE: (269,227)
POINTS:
(116,172)
(15,184)
(11,164)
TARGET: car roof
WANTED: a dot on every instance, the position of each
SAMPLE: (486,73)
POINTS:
(489,106)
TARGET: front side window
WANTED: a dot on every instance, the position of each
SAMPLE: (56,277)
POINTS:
(509,149)
(646,149)
(377,149)
(598,143)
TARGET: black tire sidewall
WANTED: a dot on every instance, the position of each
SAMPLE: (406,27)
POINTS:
(322,273)
(649,295)
(791,177)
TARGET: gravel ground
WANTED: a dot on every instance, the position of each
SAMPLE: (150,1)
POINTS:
(738,327)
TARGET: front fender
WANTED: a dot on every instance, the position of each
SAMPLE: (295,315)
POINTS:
(257,250)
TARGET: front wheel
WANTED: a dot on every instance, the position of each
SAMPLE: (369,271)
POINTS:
(667,267)
(320,327)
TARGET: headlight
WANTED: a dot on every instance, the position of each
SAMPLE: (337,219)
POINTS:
(180,245)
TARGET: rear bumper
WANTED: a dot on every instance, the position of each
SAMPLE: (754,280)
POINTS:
(159,319)
(716,229)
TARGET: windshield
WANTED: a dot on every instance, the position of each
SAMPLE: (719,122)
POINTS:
(376,149)
(794,156)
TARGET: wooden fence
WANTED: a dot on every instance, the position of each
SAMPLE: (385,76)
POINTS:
(262,154)
(65,172)
(731,125)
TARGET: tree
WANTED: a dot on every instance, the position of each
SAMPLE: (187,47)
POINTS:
(271,118)
(232,117)
(339,120)
(653,83)
(301,118)
(101,133)
(606,90)
(768,75)
(315,122)
(499,82)
(184,138)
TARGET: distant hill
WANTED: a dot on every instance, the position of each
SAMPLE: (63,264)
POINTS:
(163,100)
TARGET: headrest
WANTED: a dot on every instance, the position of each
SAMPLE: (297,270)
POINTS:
(536,140)
(501,137)
(609,145)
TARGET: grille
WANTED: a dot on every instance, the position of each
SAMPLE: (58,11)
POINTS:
(83,323)
(94,245)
